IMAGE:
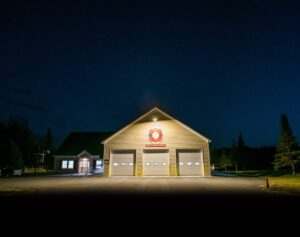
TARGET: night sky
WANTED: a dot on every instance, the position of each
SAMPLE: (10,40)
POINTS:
(221,67)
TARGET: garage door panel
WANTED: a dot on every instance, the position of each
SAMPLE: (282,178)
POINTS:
(156,163)
(122,163)
(190,163)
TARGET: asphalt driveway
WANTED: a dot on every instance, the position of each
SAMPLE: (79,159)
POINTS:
(146,186)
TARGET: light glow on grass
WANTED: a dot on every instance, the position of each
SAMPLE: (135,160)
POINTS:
(285,183)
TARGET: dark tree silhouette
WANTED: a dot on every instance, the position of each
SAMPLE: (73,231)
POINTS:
(15,159)
(48,151)
(287,141)
(287,154)
(16,137)
(18,130)
(241,142)
(239,153)
(234,156)
(225,160)
(243,152)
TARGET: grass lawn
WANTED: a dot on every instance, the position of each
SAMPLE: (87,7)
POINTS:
(281,180)
(285,183)
(252,173)
(257,173)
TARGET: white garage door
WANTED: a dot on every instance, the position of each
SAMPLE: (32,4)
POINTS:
(156,162)
(122,163)
(190,162)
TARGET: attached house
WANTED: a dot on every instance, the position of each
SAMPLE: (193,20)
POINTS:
(81,152)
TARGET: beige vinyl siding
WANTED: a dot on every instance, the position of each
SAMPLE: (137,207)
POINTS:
(175,137)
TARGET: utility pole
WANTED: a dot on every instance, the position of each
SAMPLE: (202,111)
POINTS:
(41,160)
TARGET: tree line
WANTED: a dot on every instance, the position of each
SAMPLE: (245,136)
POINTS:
(240,157)
(20,147)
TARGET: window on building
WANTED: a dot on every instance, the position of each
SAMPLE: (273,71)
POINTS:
(123,163)
(189,163)
(71,164)
(155,163)
(98,164)
(197,163)
(115,164)
(64,164)
(130,163)
(67,164)
(163,163)
(180,163)
(147,163)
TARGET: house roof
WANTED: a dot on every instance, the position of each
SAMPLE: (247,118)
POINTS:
(76,142)
(155,112)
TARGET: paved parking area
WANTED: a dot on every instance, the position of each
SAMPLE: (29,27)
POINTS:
(99,198)
(97,185)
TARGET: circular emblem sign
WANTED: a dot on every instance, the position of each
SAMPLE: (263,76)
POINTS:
(155,135)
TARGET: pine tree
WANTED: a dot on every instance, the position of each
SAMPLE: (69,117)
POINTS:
(241,151)
(234,156)
(15,156)
(48,151)
(241,142)
(49,140)
(287,142)
(225,160)
(287,154)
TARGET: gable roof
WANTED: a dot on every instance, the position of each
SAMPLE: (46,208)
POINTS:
(77,142)
(84,153)
(163,116)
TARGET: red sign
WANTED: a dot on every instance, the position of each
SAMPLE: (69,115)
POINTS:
(155,135)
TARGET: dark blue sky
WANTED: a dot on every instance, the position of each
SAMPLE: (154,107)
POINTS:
(221,67)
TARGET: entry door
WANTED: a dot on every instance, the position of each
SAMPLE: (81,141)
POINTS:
(122,163)
(156,162)
(190,162)
(84,165)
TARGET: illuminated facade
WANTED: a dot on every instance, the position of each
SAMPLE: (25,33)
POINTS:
(156,144)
